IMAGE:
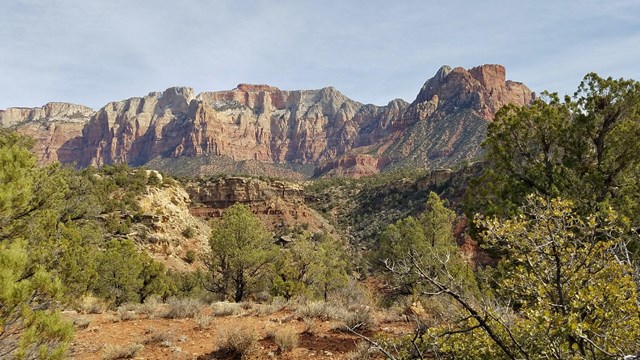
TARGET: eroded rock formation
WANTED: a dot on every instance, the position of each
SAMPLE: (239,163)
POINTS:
(321,128)
(56,127)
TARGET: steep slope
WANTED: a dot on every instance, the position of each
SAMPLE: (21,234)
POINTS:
(447,121)
(322,130)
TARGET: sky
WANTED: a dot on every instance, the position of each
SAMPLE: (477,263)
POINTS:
(91,52)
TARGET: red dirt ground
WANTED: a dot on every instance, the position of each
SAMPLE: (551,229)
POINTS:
(185,340)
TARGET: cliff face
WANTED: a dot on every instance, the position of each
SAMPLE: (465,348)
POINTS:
(483,89)
(137,129)
(51,112)
(56,127)
(222,192)
(247,123)
(320,128)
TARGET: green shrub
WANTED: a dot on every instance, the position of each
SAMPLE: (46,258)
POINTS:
(189,232)
(190,257)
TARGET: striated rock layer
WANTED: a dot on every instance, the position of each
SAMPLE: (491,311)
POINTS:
(56,127)
(321,128)
(276,202)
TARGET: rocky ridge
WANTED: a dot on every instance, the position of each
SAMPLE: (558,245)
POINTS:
(321,128)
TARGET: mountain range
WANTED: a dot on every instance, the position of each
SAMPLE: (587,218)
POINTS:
(260,129)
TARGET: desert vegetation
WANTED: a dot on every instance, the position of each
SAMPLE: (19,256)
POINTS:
(553,206)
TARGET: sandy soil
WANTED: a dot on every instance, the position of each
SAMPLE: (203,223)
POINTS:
(184,339)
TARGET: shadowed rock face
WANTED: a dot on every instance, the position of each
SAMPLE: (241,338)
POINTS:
(322,128)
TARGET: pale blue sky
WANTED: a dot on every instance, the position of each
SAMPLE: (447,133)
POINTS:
(91,52)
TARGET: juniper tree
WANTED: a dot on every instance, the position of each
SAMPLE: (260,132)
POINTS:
(241,254)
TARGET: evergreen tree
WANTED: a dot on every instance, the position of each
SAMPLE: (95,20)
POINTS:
(291,269)
(155,280)
(29,328)
(119,273)
(330,270)
(426,243)
(584,149)
(566,294)
(241,254)
(313,267)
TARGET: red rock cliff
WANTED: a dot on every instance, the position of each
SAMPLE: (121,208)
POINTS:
(264,123)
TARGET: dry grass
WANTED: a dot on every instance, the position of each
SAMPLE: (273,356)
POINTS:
(203,321)
(363,351)
(121,352)
(320,310)
(150,306)
(286,339)
(224,308)
(240,343)
(125,314)
(81,322)
(310,326)
(278,304)
(360,318)
(183,308)
(246,305)
(159,338)
(90,304)
(396,313)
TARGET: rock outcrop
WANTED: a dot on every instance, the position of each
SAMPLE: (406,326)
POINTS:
(56,127)
(353,166)
(225,191)
(51,112)
(276,202)
(165,217)
(483,89)
(319,128)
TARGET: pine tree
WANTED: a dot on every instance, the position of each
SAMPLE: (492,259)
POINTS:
(29,327)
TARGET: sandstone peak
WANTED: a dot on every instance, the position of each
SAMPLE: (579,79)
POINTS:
(483,89)
(182,91)
(256,88)
(50,112)
(398,103)
(490,76)
(176,98)
(443,72)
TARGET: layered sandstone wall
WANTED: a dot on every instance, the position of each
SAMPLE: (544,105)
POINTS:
(322,127)
(56,128)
